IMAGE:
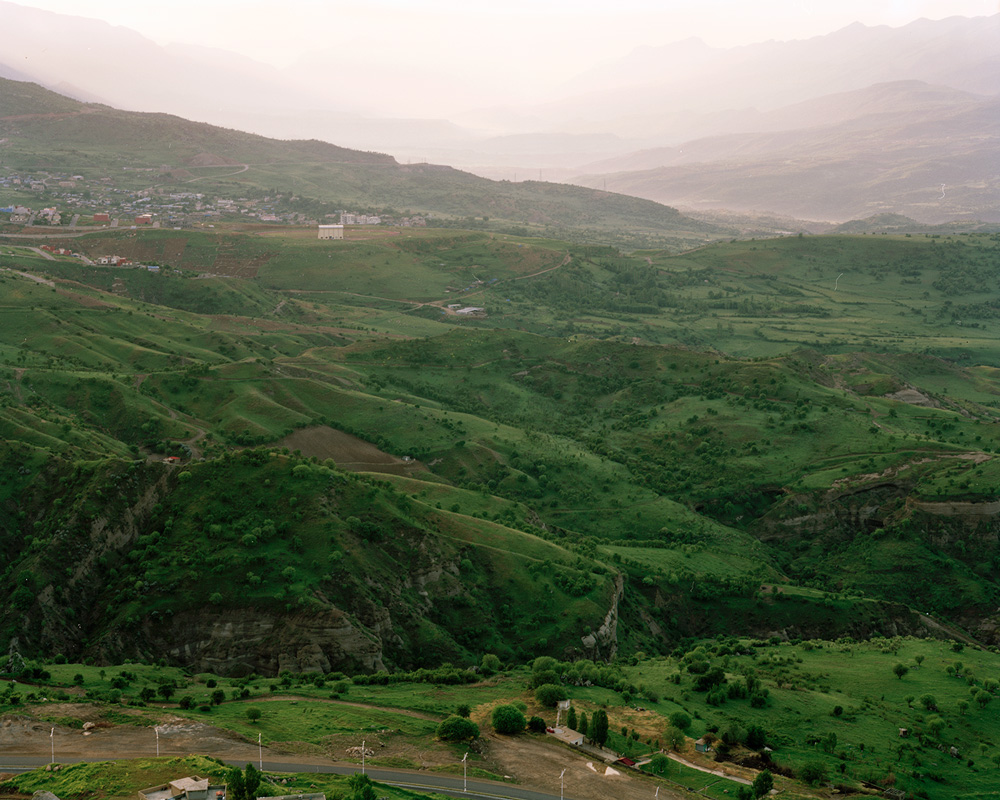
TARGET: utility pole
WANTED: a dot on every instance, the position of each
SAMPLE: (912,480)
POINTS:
(465,772)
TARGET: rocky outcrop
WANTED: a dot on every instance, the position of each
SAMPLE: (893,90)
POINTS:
(958,509)
(602,644)
(242,641)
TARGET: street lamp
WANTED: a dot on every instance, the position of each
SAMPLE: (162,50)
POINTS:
(260,754)
(362,756)
(52,741)
(465,772)
(157,730)
(561,784)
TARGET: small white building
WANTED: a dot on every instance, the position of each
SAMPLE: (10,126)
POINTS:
(331,231)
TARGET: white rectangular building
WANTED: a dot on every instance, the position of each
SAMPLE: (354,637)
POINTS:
(331,231)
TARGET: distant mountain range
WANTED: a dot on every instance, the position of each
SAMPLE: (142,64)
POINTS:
(929,152)
(860,121)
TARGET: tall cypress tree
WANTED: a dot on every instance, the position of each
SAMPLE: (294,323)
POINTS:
(236,788)
(599,728)
(251,782)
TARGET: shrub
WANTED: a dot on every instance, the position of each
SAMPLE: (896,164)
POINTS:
(508,720)
(680,720)
(549,694)
(813,772)
(457,729)
(762,783)
(544,677)
(536,725)
(756,738)
(490,664)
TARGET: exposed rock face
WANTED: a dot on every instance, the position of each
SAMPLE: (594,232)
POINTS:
(603,643)
(236,642)
(913,398)
(855,519)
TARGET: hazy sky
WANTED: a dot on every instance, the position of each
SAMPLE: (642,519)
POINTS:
(277,32)
(477,45)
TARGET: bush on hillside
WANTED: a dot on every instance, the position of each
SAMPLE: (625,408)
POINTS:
(508,720)
(549,694)
(457,729)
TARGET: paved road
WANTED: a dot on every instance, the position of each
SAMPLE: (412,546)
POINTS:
(418,781)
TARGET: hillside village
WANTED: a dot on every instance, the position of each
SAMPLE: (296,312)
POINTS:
(72,201)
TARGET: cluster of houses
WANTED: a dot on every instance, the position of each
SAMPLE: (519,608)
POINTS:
(359,219)
(59,251)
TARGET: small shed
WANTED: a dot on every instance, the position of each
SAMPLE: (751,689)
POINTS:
(701,746)
(904,733)
(191,788)
(568,735)
(331,231)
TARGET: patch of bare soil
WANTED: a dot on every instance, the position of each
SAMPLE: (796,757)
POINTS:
(30,737)
(349,452)
(538,764)
(211,160)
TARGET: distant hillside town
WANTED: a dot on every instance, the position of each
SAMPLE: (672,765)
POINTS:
(73,201)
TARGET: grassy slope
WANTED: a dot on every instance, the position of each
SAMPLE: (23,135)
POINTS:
(664,458)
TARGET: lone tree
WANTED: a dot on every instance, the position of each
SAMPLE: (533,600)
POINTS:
(673,736)
(508,720)
(254,714)
(900,670)
(165,690)
(659,765)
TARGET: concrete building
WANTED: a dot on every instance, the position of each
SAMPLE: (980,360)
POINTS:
(193,788)
(331,231)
